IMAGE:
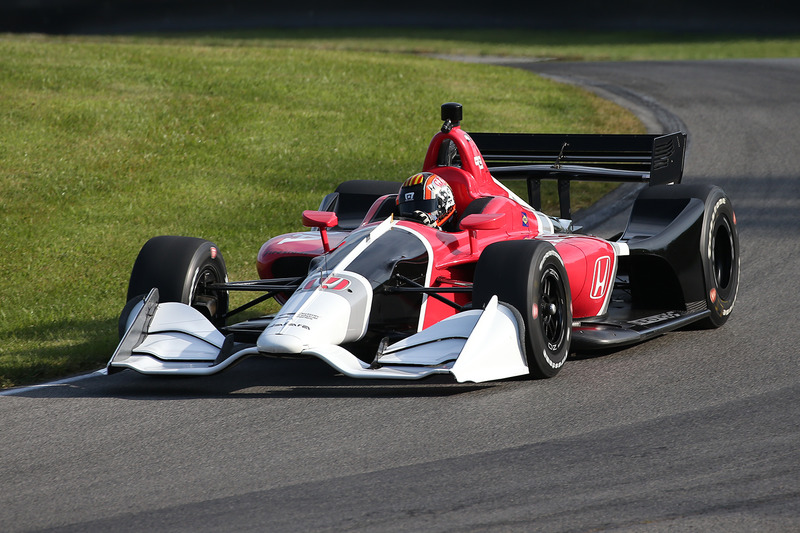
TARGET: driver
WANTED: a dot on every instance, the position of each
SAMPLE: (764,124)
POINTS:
(427,198)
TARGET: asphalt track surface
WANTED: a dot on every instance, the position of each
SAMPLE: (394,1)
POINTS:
(697,430)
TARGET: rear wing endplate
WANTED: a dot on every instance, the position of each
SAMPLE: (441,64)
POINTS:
(653,159)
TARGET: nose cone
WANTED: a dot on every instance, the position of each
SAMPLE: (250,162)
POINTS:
(278,343)
(323,312)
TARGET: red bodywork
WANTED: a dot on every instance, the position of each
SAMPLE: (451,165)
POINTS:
(590,262)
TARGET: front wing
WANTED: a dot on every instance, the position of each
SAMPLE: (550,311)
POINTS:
(476,346)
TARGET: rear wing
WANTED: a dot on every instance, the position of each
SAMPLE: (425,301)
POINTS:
(653,159)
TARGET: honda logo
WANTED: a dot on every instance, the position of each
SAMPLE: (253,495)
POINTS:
(601,277)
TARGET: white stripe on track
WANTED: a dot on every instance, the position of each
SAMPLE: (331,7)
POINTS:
(66,381)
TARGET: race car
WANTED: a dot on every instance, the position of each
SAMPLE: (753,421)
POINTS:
(450,271)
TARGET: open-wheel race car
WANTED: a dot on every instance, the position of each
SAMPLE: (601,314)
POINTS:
(450,271)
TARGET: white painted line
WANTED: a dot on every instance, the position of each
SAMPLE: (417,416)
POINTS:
(66,381)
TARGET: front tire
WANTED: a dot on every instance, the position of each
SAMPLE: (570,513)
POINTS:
(182,268)
(531,277)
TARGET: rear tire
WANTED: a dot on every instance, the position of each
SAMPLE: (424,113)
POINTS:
(530,276)
(719,250)
(182,268)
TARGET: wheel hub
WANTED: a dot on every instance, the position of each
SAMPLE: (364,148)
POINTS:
(550,304)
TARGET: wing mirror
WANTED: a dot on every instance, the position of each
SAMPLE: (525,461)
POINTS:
(481,221)
(484,221)
(322,220)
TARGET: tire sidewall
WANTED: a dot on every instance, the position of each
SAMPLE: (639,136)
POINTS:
(207,258)
(719,232)
(547,357)
(122,322)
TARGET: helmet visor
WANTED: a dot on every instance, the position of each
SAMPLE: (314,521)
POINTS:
(426,206)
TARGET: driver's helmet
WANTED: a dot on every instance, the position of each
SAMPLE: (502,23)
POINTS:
(426,198)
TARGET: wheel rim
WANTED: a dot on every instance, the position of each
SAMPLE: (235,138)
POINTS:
(202,298)
(552,304)
(722,255)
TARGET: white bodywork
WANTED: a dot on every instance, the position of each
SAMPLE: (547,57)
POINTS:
(476,345)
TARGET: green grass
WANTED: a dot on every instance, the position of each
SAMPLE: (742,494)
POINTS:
(109,141)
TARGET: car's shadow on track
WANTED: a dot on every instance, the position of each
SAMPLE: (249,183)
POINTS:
(271,378)
(253,378)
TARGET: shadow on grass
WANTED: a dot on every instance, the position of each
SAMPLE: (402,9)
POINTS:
(55,350)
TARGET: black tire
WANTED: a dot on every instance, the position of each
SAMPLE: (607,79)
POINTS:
(122,323)
(719,250)
(530,276)
(182,268)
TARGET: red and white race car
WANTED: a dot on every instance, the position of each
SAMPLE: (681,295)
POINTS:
(450,271)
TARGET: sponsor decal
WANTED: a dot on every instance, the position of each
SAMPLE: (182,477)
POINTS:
(478,161)
(655,319)
(409,196)
(551,253)
(290,325)
(331,283)
(335,284)
(525,219)
(297,237)
(280,320)
(601,279)
(213,253)
(719,204)
(288,320)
